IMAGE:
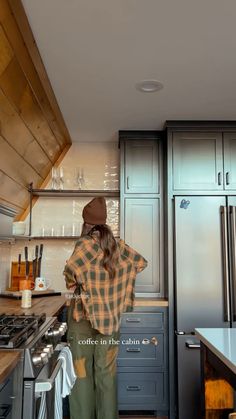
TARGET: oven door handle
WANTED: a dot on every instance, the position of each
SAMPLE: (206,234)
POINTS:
(47,385)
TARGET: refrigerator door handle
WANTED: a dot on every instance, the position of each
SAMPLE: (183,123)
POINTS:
(232,211)
(191,345)
(223,212)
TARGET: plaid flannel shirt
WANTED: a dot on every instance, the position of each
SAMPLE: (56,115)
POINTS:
(102,300)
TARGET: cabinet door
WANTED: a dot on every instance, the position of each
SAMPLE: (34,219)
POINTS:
(230,160)
(197,161)
(141,166)
(142,232)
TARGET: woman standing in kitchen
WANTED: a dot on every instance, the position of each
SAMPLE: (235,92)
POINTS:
(102,273)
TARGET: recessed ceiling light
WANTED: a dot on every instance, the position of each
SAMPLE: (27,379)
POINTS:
(149,86)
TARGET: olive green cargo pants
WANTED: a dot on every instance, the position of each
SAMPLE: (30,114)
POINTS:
(94,395)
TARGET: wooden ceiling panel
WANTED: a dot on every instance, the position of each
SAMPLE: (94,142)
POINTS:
(18,91)
(11,191)
(33,134)
(19,37)
(15,132)
(6,51)
(16,167)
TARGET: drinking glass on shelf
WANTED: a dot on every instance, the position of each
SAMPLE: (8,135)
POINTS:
(61,178)
(54,178)
(80,178)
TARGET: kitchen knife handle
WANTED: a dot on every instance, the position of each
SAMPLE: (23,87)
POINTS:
(26,262)
(224,228)
(232,211)
(36,251)
(41,250)
(19,263)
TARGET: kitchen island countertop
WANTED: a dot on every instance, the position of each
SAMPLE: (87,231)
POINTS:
(222,342)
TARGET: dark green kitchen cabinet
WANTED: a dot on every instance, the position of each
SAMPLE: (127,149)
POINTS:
(142,232)
(141,170)
(197,161)
(141,204)
(204,161)
(230,160)
(142,363)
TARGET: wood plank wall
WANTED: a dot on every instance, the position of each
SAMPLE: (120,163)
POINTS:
(33,134)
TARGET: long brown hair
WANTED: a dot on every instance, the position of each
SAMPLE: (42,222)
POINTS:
(107,243)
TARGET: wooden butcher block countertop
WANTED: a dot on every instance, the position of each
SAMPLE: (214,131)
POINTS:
(150,302)
(8,361)
(52,305)
(49,305)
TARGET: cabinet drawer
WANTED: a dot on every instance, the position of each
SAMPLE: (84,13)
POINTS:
(138,320)
(141,389)
(135,350)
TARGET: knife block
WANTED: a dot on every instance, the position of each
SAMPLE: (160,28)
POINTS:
(16,275)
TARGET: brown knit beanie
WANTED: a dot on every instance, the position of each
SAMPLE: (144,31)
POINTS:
(95,212)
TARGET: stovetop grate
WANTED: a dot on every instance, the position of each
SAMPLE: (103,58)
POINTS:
(15,329)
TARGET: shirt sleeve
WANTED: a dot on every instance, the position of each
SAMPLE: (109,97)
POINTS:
(133,256)
(85,251)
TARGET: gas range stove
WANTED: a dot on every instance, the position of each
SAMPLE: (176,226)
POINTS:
(35,336)
(16,329)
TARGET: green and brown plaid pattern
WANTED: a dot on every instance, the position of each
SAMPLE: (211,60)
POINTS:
(103,299)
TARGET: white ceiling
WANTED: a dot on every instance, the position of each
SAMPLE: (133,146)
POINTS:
(96,50)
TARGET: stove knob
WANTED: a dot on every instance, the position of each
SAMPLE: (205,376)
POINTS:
(56,332)
(62,330)
(47,351)
(44,357)
(36,359)
(49,333)
(50,347)
(64,327)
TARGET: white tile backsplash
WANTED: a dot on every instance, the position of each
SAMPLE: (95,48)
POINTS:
(99,164)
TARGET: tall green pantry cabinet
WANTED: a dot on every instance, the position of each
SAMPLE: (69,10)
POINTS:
(141,193)
(142,365)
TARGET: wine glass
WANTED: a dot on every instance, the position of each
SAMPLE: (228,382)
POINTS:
(54,177)
(61,178)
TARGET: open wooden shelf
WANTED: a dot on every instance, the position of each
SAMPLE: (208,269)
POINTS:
(53,193)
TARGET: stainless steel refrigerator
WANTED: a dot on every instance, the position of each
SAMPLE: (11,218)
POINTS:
(205,284)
